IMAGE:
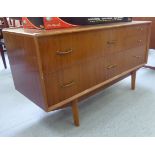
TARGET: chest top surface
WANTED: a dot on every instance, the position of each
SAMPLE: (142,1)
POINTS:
(38,33)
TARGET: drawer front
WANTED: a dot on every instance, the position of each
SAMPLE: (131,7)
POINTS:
(62,85)
(136,30)
(114,64)
(56,52)
(121,39)
(113,40)
(135,41)
(135,57)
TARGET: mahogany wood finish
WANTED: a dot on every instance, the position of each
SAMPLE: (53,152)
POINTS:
(58,67)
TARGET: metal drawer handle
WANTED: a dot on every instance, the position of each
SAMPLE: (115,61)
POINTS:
(138,57)
(140,28)
(65,52)
(111,42)
(111,66)
(139,41)
(68,84)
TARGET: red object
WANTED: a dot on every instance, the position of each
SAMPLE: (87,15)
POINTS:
(33,22)
(47,23)
(56,22)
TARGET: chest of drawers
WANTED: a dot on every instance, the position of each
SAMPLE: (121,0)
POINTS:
(57,68)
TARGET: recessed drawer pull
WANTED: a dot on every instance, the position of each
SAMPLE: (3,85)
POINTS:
(138,57)
(65,52)
(111,66)
(68,84)
(111,42)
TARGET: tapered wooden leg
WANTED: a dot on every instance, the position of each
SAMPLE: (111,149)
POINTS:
(133,80)
(75,113)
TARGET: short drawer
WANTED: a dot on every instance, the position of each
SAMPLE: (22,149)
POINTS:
(134,57)
(136,30)
(134,41)
(137,56)
(120,62)
(62,85)
(114,64)
(113,40)
(56,52)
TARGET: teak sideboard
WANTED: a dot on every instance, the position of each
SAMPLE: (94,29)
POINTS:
(57,68)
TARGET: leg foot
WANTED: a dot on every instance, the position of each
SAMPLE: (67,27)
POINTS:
(75,113)
(133,80)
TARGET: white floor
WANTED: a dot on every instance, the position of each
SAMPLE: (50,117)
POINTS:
(116,111)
